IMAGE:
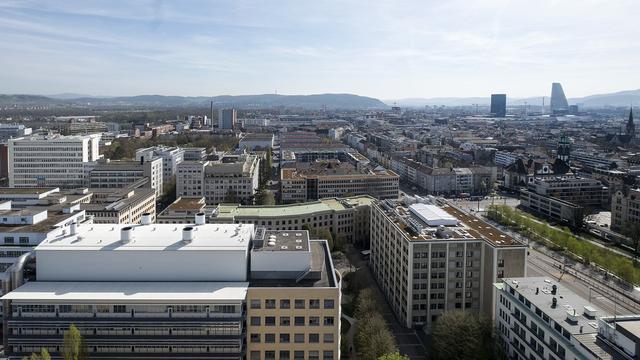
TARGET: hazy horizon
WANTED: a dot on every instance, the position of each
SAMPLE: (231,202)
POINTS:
(382,49)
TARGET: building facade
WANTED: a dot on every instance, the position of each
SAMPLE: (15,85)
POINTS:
(429,259)
(58,161)
(227,119)
(171,158)
(122,173)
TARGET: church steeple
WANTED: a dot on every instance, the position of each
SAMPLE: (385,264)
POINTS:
(631,127)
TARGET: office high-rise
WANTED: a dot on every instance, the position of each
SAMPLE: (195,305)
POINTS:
(559,102)
(499,105)
(227,119)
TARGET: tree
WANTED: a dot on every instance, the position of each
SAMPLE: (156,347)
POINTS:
(373,338)
(632,230)
(231,197)
(365,304)
(393,356)
(44,355)
(74,347)
(461,335)
(265,197)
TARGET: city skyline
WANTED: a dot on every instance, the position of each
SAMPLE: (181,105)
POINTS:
(383,50)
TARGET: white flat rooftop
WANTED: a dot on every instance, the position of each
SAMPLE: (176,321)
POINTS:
(129,292)
(157,237)
(433,215)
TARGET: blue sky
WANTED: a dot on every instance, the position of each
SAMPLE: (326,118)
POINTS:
(382,48)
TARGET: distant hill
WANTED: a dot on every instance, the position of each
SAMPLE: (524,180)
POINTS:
(318,101)
(621,98)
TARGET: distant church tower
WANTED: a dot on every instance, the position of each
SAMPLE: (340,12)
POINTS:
(631,127)
(564,149)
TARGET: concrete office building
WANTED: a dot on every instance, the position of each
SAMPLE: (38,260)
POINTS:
(122,207)
(123,173)
(625,209)
(256,141)
(182,210)
(57,161)
(194,153)
(171,158)
(11,131)
(552,208)
(499,105)
(504,158)
(203,291)
(429,259)
(22,229)
(332,179)
(230,179)
(539,319)
(581,191)
(227,119)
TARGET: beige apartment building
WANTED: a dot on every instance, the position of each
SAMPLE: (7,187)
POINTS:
(625,209)
(432,258)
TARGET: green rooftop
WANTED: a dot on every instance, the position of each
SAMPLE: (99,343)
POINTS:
(228,211)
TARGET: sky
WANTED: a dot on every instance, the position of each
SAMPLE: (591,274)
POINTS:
(389,49)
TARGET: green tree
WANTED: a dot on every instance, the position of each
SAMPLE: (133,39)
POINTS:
(74,347)
(365,304)
(373,338)
(265,197)
(231,197)
(632,230)
(461,335)
(393,356)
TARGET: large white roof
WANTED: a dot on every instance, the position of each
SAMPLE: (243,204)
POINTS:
(129,292)
(158,237)
(433,215)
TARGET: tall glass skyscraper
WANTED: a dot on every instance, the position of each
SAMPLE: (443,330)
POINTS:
(499,105)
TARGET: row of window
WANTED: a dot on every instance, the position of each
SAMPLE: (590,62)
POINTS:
(297,303)
(297,321)
(286,355)
(298,338)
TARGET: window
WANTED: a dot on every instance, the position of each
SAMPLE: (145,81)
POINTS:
(327,355)
(270,355)
(299,303)
(120,309)
(327,338)
(255,304)
(285,321)
(270,321)
(284,355)
(255,338)
(314,303)
(8,239)
(298,338)
(298,321)
(24,240)
(314,338)
(255,355)
(285,304)
(270,304)
(269,338)
(298,355)
(329,304)
(314,355)
(285,338)
(255,321)
(328,321)
(314,321)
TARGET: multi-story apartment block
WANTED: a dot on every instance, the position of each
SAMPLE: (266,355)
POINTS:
(206,291)
(122,207)
(581,191)
(625,209)
(429,259)
(330,179)
(504,158)
(230,179)
(171,158)
(540,319)
(51,161)
(122,173)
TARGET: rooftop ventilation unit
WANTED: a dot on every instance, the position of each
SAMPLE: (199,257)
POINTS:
(126,234)
(145,219)
(73,228)
(200,218)
(187,234)
(271,241)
